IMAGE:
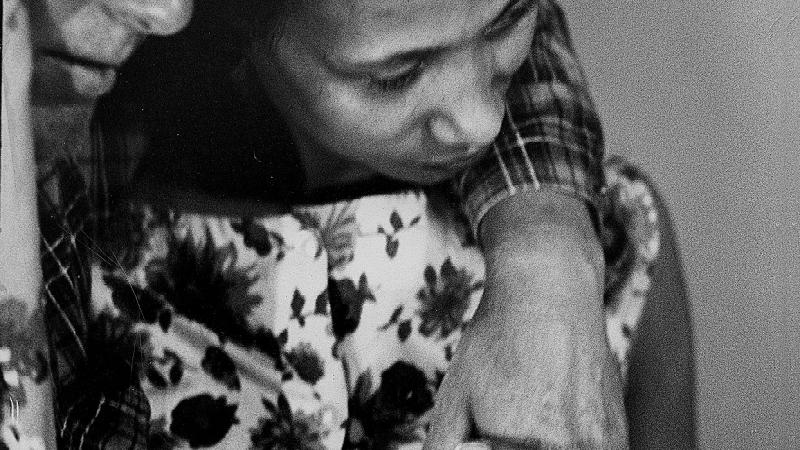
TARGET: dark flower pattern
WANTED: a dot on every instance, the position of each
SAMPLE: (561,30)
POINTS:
(393,412)
(221,367)
(203,420)
(297,303)
(321,304)
(118,355)
(196,278)
(260,238)
(347,301)
(445,298)
(160,438)
(208,280)
(306,362)
(204,285)
(336,229)
(396,222)
(137,304)
(404,330)
(281,429)
(165,371)
(124,235)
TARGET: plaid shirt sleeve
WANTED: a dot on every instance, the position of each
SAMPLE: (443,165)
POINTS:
(87,416)
(551,136)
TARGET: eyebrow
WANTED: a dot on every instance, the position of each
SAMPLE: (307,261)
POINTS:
(509,13)
(399,59)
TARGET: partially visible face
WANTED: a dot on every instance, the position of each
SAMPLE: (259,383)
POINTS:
(16,54)
(78,45)
(413,89)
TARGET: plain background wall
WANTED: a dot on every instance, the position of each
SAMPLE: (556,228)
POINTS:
(706,97)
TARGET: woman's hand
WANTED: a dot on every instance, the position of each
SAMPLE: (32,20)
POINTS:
(533,368)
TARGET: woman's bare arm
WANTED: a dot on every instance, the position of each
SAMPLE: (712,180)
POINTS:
(533,367)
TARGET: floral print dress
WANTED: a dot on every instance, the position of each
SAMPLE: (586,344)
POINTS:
(328,326)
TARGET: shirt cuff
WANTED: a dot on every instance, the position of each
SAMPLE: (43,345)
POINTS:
(509,169)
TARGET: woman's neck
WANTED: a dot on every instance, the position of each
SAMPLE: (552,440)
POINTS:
(325,169)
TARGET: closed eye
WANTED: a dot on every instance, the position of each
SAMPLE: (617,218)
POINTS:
(397,82)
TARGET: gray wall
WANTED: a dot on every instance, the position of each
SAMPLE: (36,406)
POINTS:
(706,97)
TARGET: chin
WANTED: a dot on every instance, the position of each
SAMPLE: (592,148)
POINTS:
(423,176)
(63,87)
(62,95)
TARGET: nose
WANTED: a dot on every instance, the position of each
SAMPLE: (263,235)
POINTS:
(471,109)
(157,17)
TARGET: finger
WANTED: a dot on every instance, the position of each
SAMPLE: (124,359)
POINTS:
(450,421)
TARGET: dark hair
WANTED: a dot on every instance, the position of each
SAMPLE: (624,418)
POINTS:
(200,106)
(196,108)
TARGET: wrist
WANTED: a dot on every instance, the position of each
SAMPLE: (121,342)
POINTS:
(540,224)
(542,252)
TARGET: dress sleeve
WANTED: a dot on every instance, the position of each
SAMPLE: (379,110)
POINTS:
(551,136)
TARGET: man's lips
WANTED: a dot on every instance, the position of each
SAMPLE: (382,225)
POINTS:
(78,60)
(447,163)
(461,158)
(66,76)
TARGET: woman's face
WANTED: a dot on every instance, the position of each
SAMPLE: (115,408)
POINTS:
(412,89)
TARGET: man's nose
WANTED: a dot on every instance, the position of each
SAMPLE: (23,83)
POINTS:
(471,109)
(474,124)
(158,17)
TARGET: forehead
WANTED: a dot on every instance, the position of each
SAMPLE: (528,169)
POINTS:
(378,27)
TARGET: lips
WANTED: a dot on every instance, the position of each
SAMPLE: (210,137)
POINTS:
(460,159)
(63,77)
(74,59)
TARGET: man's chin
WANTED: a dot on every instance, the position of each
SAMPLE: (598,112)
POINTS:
(421,175)
(428,174)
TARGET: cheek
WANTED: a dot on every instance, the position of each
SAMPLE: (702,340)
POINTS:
(385,138)
(338,113)
(365,127)
(511,52)
(85,28)
(52,19)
